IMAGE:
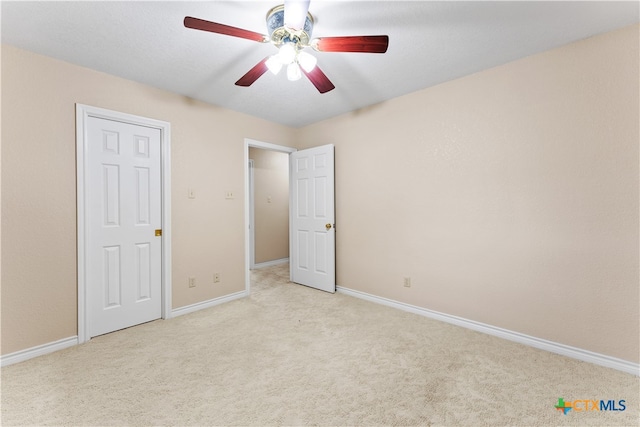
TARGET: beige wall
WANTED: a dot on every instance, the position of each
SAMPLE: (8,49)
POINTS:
(271,204)
(510,196)
(38,190)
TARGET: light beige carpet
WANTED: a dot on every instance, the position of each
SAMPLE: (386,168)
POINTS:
(291,355)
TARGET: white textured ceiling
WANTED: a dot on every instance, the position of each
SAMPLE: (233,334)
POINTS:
(430,43)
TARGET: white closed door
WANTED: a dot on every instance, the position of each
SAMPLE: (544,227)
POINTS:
(123,197)
(312,252)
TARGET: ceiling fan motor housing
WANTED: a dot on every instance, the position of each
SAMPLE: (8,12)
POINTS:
(280,34)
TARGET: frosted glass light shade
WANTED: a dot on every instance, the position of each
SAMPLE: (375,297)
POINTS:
(273,64)
(293,72)
(287,53)
(306,61)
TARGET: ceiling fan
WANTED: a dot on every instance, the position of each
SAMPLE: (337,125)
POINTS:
(290,26)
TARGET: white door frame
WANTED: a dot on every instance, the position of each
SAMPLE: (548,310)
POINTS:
(247,204)
(83,112)
(252,218)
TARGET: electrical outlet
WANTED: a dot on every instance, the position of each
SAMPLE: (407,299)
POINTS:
(229,195)
(407,282)
(216,277)
(192,282)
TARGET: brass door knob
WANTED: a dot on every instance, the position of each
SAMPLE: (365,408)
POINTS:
(328,226)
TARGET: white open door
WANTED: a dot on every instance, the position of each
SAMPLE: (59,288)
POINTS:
(312,225)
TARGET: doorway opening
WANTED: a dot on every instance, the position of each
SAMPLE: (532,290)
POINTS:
(266,184)
(269,207)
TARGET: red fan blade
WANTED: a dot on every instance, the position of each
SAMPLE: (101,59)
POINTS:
(214,27)
(366,44)
(319,80)
(253,74)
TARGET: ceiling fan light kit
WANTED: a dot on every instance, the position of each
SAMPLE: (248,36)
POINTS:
(289,40)
(289,28)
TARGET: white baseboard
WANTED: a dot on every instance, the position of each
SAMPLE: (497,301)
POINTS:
(271,263)
(30,353)
(206,304)
(40,350)
(553,347)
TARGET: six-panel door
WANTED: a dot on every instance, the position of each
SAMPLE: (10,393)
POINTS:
(123,192)
(312,237)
